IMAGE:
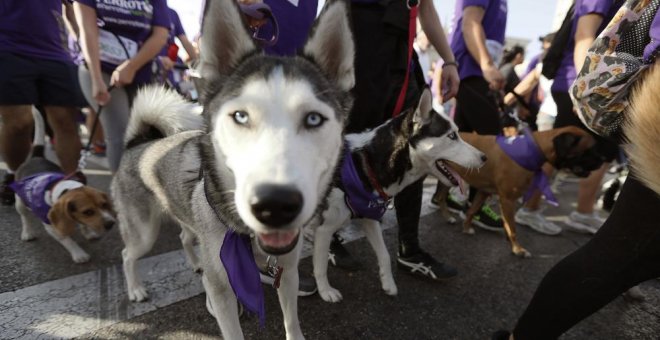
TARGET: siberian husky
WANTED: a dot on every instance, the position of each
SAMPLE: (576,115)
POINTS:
(403,150)
(258,161)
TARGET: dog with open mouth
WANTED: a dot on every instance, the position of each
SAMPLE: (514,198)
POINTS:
(377,165)
(245,176)
(513,170)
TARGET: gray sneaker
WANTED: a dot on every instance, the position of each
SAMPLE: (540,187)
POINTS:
(584,223)
(537,222)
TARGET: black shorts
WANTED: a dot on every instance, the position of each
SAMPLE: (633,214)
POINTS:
(567,117)
(30,81)
(476,108)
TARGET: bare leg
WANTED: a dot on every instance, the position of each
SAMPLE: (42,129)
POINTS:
(16,134)
(67,141)
(588,190)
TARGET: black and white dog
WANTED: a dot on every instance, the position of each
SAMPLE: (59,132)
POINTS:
(386,160)
(259,160)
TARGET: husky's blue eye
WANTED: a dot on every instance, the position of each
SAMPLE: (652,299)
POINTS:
(452,136)
(240,117)
(314,119)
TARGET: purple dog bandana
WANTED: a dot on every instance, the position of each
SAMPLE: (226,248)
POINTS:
(237,257)
(32,191)
(524,151)
(363,204)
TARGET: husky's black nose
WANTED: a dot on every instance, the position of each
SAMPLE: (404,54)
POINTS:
(276,205)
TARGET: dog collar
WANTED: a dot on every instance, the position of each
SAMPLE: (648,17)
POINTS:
(59,189)
(523,150)
(363,203)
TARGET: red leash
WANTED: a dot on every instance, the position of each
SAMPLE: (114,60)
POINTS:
(412,30)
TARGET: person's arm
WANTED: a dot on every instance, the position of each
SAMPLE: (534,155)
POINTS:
(188,46)
(89,41)
(585,34)
(475,40)
(428,18)
(124,73)
(524,88)
(70,19)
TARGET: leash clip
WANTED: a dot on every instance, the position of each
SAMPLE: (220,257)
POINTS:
(274,270)
(390,203)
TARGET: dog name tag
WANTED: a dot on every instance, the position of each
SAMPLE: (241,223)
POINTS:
(276,272)
(114,48)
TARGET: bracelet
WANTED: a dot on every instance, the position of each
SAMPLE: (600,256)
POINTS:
(450,63)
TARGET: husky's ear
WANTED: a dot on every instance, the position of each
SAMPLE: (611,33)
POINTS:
(424,107)
(330,44)
(225,40)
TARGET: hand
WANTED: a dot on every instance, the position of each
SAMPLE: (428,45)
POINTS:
(100,92)
(493,76)
(167,63)
(123,74)
(449,81)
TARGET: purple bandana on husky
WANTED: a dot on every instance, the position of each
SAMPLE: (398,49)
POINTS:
(363,204)
(32,191)
(237,257)
(524,151)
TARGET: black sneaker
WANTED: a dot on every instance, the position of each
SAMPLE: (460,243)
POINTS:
(6,193)
(340,257)
(487,218)
(306,284)
(422,264)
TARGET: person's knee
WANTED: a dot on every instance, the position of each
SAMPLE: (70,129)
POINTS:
(17,119)
(62,120)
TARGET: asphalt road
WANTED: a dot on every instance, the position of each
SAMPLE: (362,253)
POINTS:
(43,294)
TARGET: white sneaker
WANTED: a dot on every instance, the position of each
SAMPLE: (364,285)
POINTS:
(536,221)
(584,223)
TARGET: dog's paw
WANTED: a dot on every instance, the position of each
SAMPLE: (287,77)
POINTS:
(138,294)
(469,231)
(452,220)
(27,237)
(390,287)
(522,252)
(330,295)
(80,257)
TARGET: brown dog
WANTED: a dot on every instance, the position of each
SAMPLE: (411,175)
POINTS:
(568,148)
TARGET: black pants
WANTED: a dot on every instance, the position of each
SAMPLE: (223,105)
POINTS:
(624,253)
(380,66)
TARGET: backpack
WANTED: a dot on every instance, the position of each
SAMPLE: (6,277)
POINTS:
(614,61)
(554,56)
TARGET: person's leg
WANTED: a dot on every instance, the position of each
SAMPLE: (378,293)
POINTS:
(65,128)
(622,254)
(16,134)
(113,117)
(584,219)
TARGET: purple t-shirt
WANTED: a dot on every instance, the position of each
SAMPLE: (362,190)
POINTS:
(176,29)
(651,49)
(566,72)
(294,21)
(32,191)
(131,22)
(33,28)
(494,24)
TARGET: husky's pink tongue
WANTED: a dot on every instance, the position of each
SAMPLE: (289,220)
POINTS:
(278,239)
(459,179)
